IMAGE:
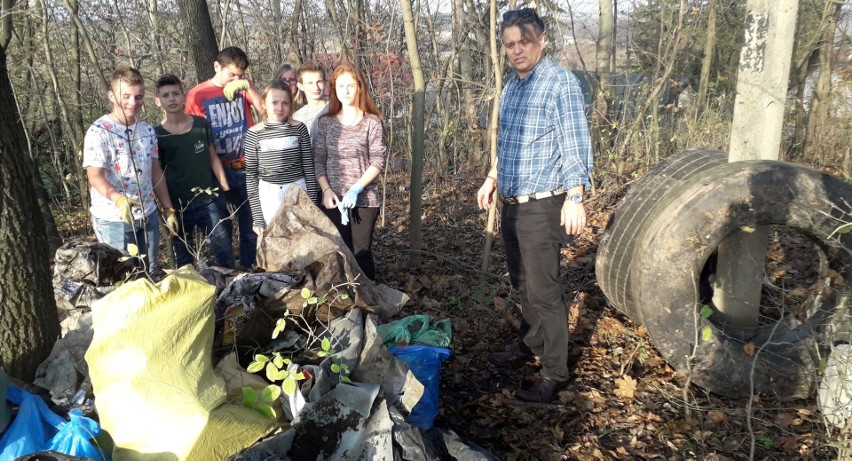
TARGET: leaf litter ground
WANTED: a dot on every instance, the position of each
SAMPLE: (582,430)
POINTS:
(625,402)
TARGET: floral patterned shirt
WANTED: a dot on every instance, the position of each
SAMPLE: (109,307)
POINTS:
(126,153)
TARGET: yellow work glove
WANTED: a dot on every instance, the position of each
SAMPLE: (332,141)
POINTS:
(233,87)
(171,219)
(125,206)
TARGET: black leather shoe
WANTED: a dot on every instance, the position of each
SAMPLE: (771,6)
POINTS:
(512,357)
(541,389)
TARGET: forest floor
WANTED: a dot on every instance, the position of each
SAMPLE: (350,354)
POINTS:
(624,401)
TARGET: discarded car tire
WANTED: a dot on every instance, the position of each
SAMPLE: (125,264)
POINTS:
(685,229)
(615,251)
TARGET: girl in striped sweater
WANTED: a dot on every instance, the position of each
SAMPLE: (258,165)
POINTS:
(278,156)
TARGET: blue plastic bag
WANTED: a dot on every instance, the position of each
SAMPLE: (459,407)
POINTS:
(32,428)
(36,428)
(425,363)
(73,437)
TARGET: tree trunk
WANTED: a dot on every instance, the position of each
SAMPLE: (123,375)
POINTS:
(490,234)
(69,120)
(756,131)
(54,241)
(29,324)
(155,33)
(295,56)
(604,51)
(418,107)
(202,38)
(707,61)
(87,41)
(820,104)
(465,82)
(331,8)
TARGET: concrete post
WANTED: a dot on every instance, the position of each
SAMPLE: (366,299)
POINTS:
(755,134)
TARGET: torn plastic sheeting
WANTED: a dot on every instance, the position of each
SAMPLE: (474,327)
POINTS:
(248,306)
(412,443)
(84,272)
(347,339)
(378,365)
(302,239)
(331,426)
(357,346)
(360,349)
(335,428)
(65,369)
(250,289)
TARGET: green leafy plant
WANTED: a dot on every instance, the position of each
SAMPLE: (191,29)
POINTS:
(276,371)
(275,367)
(261,402)
(311,299)
(326,348)
(342,371)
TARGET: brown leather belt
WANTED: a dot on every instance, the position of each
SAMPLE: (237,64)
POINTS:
(235,163)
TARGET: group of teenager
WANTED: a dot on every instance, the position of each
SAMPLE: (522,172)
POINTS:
(207,152)
(335,151)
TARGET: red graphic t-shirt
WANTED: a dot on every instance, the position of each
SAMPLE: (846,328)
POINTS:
(230,119)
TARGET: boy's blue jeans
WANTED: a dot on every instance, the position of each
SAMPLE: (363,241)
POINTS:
(119,234)
(203,214)
(248,239)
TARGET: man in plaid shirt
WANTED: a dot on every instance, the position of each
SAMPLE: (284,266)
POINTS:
(544,156)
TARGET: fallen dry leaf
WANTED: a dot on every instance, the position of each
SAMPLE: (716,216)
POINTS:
(558,433)
(750,349)
(626,387)
(717,417)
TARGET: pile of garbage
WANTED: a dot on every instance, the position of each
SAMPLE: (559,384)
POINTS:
(309,361)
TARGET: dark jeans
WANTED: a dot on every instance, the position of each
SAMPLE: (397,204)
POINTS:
(533,237)
(358,235)
(248,239)
(204,214)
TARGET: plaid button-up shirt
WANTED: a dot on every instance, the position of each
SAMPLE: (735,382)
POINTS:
(544,141)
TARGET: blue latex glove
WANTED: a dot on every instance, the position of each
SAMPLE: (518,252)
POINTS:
(351,195)
(344,213)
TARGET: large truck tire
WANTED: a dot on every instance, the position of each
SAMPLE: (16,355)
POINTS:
(615,251)
(680,234)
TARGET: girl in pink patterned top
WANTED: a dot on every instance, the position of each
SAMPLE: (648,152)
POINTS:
(349,153)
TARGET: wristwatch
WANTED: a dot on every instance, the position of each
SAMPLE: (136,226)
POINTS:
(576,198)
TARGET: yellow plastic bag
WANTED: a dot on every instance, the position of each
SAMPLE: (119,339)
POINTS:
(150,365)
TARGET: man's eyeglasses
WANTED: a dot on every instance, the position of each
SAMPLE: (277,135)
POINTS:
(523,16)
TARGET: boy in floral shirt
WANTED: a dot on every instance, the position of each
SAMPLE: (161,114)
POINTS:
(123,168)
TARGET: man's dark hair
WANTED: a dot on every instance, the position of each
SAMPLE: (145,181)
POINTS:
(167,80)
(233,55)
(520,19)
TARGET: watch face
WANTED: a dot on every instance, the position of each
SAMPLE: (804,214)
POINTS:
(576,198)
